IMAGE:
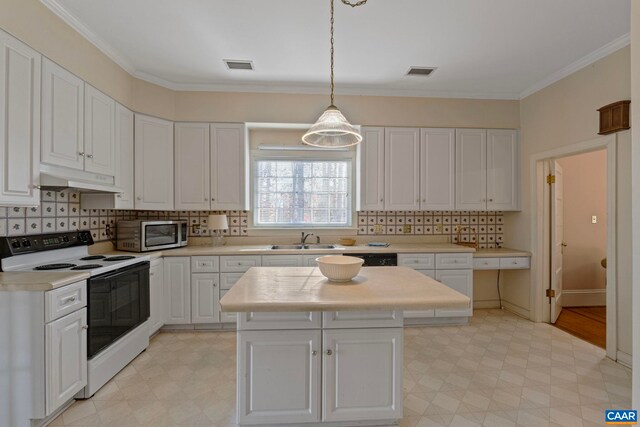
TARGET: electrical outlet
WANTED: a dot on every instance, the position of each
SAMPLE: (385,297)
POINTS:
(195,229)
(594,219)
(377,228)
(439,228)
(406,229)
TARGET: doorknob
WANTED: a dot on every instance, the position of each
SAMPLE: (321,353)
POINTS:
(564,245)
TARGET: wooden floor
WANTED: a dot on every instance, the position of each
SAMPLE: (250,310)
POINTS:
(588,323)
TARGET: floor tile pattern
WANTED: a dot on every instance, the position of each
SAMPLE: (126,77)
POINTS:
(499,370)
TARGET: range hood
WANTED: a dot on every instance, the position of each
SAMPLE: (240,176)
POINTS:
(49,181)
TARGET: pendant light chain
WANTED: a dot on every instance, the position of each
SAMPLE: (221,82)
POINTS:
(332,53)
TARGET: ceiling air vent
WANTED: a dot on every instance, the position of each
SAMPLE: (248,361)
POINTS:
(238,65)
(420,71)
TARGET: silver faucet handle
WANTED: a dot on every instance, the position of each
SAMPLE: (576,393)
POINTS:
(318,239)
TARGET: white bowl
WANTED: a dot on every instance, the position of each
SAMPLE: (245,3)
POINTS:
(338,268)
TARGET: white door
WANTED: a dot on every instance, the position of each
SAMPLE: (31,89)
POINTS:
(402,169)
(503,172)
(362,374)
(205,297)
(124,154)
(278,377)
(66,358)
(177,290)
(557,237)
(62,117)
(461,281)
(372,169)
(471,169)
(156,301)
(99,132)
(153,163)
(193,172)
(437,169)
(20,68)
(228,153)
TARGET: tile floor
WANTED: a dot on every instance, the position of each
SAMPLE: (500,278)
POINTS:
(500,370)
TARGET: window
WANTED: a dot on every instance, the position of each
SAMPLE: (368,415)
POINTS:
(309,193)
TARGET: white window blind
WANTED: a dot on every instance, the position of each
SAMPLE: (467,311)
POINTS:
(302,193)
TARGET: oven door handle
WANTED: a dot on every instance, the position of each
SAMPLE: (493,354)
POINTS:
(123,270)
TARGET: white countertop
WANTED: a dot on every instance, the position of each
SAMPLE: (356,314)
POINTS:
(277,289)
(39,280)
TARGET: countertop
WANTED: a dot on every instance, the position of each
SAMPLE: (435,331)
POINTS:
(276,289)
(500,252)
(39,281)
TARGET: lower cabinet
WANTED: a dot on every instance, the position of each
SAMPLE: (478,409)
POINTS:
(461,281)
(156,296)
(205,296)
(177,290)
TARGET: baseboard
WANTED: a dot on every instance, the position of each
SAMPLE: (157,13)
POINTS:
(584,297)
(522,312)
(490,303)
(624,359)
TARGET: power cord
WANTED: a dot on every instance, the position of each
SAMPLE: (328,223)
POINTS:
(498,286)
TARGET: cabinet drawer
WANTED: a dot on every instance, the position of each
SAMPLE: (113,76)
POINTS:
(486,263)
(65,300)
(428,273)
(515,263)
(239,264)
(227,280)
(361,319)
(453,261)
(417,261)
(279,320)
(282,260)
(205,264)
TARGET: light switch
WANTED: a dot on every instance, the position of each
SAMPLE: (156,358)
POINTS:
(594,219)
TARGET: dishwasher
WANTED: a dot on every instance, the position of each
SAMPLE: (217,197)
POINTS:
(377,259)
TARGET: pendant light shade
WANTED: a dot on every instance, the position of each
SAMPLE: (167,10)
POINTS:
(332,130)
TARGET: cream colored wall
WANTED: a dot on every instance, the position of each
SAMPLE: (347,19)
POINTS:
(585,194)
(634,160)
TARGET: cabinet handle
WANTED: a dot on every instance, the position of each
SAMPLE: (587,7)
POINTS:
(314,353)
(382,200)
(491,200)
(213,200)
(69,300)
(85,327)
(81,153)
(329,352)
(138,198)
(206,199)
(424,200)
(89,156)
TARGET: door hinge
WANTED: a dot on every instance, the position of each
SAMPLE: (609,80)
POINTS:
(551,179)
(551,293)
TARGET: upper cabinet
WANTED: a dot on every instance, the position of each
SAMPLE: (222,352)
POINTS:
(372,169)
(487,175)
(228,157)
(402,169)
(99,132)
(437,169)
(19,122)
(62,117)
(153,163)
(125,156)
(192,163)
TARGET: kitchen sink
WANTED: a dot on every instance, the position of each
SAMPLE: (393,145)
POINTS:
(291,247)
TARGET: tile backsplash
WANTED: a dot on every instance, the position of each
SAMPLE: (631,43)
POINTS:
(61,211)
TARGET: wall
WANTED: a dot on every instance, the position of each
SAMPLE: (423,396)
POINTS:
(559,115)
(634,160)
(585,194)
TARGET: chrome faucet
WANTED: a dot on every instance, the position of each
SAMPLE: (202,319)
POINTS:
(303,237)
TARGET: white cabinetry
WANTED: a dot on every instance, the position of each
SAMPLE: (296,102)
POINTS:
(402,169)
(503,173)
(461,281)
(156,296)
(205,297)
(20,69)
(437,169)
(66,358)
(177,290)
(192,162)
(228,152)
(282,261)
(153,163)
(471,169)
(99,132)
(372,169)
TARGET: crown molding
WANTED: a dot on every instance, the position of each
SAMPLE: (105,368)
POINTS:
(589,59)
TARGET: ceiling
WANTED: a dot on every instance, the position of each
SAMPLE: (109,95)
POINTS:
(504,49)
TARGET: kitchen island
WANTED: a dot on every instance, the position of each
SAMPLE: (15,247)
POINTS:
(313,352)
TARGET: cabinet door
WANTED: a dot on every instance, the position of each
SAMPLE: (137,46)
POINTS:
(20,68)
(362,374)
(66,358)
(471,169)
(461,281)
(156,300)
(192,166)
(278,377)
(99,132)
(62,117)
(153,163)
(177,290)
(372,169)
(282,260)
(437,169)
(124,154)
(227,167)
(402,169)
(205,297)
(503,173)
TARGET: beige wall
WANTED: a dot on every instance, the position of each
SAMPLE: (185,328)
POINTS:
(585,194)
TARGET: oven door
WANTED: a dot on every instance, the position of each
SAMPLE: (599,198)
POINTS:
(118,303)
(160,235)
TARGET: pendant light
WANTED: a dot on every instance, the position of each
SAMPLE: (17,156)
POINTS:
(332,130)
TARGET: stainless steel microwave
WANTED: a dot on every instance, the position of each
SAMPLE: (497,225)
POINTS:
(149,235)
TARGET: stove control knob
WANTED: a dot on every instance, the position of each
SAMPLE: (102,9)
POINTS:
(26,243)
(65,239)
(15,244)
